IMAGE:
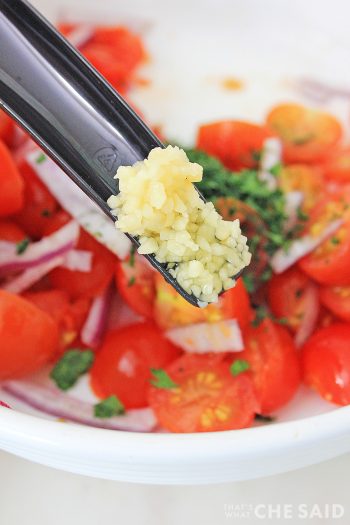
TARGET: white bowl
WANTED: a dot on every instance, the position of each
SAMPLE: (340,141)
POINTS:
(270,46)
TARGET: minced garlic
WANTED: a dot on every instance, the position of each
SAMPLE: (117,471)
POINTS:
(159,204)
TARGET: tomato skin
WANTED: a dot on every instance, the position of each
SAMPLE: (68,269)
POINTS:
(6,128)
(82,284)
(9,231)
(39,204)
(207,397)
(28,336)
(171,310)
(337,166)
(337,300)
(325,362)
(307,134)
(286,296)
(11,182)
(305,178)
(233,142)
(135,281)
(274,364)
(69,315)
(122,365)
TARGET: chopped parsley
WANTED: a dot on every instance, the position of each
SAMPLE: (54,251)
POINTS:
(162,379)
(335,240)
(109,407)
(131,281)
(262,312)
(276,169)
(21,246)
(239,366)
(302,216)
(131,261)
(41,158)
(71,366)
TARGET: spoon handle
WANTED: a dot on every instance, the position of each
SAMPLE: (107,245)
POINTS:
(67,107)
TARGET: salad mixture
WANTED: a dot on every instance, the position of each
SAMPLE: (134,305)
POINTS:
(79,306)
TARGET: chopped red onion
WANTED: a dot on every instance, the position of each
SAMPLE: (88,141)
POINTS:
(200,338)
(78,260)
(32,275)
(283,259)
(309,321)
(54,245)
(58,404)
(79,205)
(96,321)
(2,404)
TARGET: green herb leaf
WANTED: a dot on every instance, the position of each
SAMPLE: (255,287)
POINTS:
(162,379)
(302,216)
(71,366)
(21,246)
(335,240)
(239,366)
(131,281)
(276,169)
(109,407)
(131,261)
(40,158)
(264,419)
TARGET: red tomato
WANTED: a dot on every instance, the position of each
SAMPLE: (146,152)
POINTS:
(274,364)
(28,336)
(6,128)
(135,282)
(206,398)
(122,365)
(337,166)
(171,310)
(307,179)
(326,363)
(39,204)
(337,300)
(9,231)
(236,144)
(69,315)
(288,295)
(82,284)
(11,183)
(325,318)
(307,134)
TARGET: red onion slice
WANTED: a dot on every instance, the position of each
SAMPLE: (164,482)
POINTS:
(32,275)
(200,338)
(78,260)
(2,404)
(79,205)
(282,259)
(59,243)
(312,308)
(57,404)
(96,321)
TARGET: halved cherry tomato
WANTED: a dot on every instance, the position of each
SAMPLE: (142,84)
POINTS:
(39,204)
(237,144)
(6,128)
(135,282)
(82,284)
(337,166)
(325,317)
(307,134)
(11,183)
(307,179)
(337,300)
(207,397)
(326,363)
(274,364)
(9,231)
(122,365)
(329,262)
(69,315)
(288,297)
(28,336)
(170,309)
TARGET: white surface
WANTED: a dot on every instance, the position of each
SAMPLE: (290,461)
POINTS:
(194,45)
(35,495)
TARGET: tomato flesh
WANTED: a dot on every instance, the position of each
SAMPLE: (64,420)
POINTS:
(207,397)
(11,183)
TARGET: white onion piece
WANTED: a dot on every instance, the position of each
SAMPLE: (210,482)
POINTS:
(311,311)
(79,205)
(120,314)
(270,156)
(32,275)
(57,404)
(78,260)
(200,338)
(293,201)
(96,321)
(281,260)
(58,243)
(80,35)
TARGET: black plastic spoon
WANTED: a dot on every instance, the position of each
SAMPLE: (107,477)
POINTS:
(69,109)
